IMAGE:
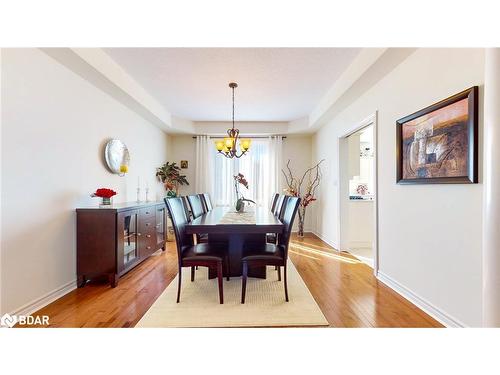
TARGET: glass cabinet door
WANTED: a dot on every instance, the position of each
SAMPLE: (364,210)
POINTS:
(130,247)
(160,225)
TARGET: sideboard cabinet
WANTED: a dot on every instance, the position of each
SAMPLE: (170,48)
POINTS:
(113,240)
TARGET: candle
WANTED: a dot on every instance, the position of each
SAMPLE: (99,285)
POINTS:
(138,181)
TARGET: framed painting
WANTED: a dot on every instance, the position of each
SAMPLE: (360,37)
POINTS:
(438,144)
(184,164)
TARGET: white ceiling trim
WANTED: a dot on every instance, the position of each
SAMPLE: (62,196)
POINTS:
(95,65)
(247,128)
(366,58)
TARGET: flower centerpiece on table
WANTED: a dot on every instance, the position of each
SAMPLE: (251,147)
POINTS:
(105,194)
(239,179)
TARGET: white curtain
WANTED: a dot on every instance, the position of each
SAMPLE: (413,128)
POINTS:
(255,167)
(261,167)
(224,170)
(204,181)
(275,165)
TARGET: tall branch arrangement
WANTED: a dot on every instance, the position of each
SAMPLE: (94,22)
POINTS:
(303,187)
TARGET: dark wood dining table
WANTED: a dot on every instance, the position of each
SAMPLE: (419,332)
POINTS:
(223,227)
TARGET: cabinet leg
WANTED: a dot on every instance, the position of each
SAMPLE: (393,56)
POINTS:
(113,280)
(80,283)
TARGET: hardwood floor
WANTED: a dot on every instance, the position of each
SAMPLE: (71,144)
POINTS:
(344,288)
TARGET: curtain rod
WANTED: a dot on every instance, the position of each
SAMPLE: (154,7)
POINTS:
(258,136)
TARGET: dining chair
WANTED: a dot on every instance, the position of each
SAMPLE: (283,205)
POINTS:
(272,254)
(186,207)
(277,211)
(197,209)
(279,205)
(274,201)
(207,202)
(196,205)
(193,255)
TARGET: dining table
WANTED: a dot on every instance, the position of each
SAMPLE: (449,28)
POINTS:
(235,231)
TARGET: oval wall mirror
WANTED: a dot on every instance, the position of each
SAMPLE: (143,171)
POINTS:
(117,157)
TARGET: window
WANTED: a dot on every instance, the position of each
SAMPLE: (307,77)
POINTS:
(255,166)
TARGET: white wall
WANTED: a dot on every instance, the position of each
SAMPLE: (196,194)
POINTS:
(429,235)
(297,149)
(54,125)
(184,148)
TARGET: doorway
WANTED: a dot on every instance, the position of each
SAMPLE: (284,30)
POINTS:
(357,193)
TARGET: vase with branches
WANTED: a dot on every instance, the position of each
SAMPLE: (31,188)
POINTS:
(304,188)
(240,179)
(170,175)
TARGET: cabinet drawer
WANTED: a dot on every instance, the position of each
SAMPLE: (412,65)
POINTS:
(147,236)
(147,246)
(148,212)
(147,225)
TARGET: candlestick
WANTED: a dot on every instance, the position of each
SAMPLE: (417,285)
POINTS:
(138,194)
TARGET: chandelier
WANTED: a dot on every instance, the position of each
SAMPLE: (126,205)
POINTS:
(227,146)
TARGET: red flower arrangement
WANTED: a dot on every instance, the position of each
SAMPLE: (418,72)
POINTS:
(104,193)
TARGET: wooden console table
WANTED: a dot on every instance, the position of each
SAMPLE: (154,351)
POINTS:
(113,240)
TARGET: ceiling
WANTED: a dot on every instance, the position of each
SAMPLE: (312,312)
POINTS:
(274,84)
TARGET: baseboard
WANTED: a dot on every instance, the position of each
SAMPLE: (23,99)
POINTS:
(43,301)
(438,314)
(326,239)
(359,244)
(305,230)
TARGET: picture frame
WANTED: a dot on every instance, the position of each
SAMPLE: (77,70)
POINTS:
(184,164)
(439,144)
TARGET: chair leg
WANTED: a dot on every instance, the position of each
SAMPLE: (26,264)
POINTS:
(284,279)
(192,273)
(228,270)
(279,273)
(244,282)
(219,279)
(179,285)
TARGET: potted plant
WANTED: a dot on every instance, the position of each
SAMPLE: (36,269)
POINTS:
(239,179)
(170,175)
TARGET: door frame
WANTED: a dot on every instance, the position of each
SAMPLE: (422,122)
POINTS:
(370,120)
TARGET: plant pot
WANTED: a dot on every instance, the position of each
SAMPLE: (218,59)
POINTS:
(302,219)
(106,202)
(240,206)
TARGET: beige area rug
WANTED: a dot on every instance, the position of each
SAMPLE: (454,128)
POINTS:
(265,304)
